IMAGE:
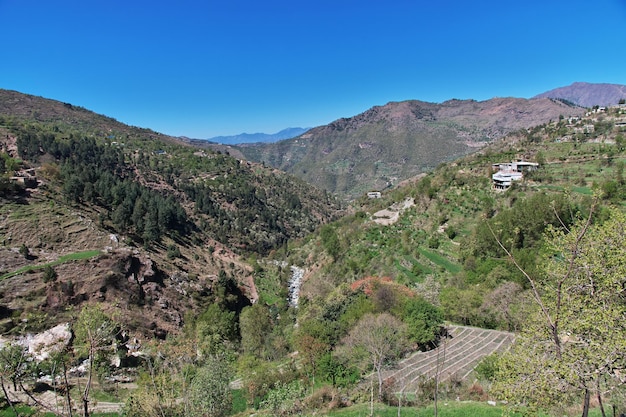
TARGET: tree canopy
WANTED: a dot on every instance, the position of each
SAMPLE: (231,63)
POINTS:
(574,343)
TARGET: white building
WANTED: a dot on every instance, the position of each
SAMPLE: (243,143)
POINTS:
(503,179)
(509,172)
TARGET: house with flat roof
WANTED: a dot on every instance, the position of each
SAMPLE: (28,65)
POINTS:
(503,179)
(508,172)
(516,166)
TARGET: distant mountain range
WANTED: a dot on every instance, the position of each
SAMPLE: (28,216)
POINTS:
(579,93)
(288,133)
(387,144)
(588,94)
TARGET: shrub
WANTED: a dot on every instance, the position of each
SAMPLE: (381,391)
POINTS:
(325,397)
(426,389)
(285,398)
(173,252)
(486,369)
(49,274)
(476,392)
(24,251)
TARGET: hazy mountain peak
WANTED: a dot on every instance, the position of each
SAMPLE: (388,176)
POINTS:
(589,94)
(288,133)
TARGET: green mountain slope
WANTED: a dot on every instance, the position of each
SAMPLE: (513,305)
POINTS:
(176,242)
(176,221)
(387,144)
(433,233)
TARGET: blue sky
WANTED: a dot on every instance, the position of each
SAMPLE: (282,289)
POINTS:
(209,68)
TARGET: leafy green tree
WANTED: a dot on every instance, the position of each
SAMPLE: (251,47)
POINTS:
(355,307)
(378,340)
(311,350)
(255,325)
(216,330)
(330,241)
(73,188)
(574,343)
(95,334)
(462,305)
(210,394)
(423,320)
(337,371)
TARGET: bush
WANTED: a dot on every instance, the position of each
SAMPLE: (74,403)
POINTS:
(325,397)
(49,274)
(451,232)
(426,389)
(285,398)
(433,242)
(476,392)
(486,369)
(24,251)
(173,252)
(389,389)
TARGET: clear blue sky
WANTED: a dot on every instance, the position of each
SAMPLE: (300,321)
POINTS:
(208,68)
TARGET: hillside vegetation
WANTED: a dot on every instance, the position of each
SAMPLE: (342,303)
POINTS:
(448,238)
(173,217)
(193,258)
(379,148)
(444,246)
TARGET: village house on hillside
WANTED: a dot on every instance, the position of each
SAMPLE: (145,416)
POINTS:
(508,172)
(26,178)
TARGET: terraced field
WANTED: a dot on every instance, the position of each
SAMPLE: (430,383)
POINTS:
(458,356)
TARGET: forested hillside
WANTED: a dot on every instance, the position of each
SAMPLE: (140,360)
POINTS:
(179,220)
(224,287)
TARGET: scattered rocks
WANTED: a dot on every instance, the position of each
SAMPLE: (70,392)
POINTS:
(295,282)
(42,345)
(392,214)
